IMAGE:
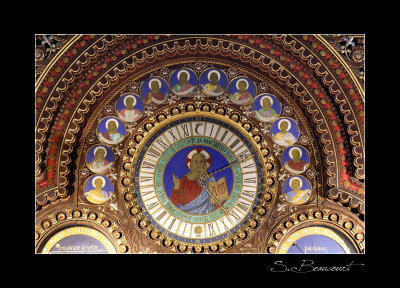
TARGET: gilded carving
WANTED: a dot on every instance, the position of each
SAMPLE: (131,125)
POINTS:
(302,74)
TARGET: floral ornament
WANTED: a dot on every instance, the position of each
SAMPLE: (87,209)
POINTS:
(287,110)
(164,72)
(348,42)
(262,87)
(304,140)
(134,87)
(198,67)
(232,73)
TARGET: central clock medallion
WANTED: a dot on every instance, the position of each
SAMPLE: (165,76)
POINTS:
(199,178)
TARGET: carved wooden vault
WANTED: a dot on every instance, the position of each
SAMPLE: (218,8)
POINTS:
(84,80)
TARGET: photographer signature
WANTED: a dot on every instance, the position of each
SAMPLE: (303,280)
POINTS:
(307,266)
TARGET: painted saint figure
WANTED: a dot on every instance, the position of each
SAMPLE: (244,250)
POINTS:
(111,136)
(284,137)
(97,195)
(296,195)
(155,95)
(130,114)
(100,164)
(267,113)
(183,87)
(295,164)
(187,194)
(213,88)
(242,95)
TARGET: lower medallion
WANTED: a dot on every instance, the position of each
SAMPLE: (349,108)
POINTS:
(78,240)
(316,240)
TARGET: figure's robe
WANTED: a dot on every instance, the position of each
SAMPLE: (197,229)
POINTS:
(284,139)
(295,167)
(183,89)
(192,198)
(94,198)
(211,89)
(270,113)
(298,197)
(156,97)
(99,165)
(111,136)
(238,96)
(130,114)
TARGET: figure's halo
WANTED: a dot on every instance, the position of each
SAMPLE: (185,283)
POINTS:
(130,96)
(269,97)
(98,177)
(216,71)
(298,178)
(114,120)
(155,79)
(183,71)
(101,148)
(242,79)
(195,151)
(284,120)
(295,148)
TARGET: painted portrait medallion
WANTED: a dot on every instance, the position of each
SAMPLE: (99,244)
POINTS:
(213,82)
(284,131)
(183,82)
(266,108)
(242,90)
(154,90)
(296,190)
(111,130)
(190,182)
(295,159)
(129,107)
(100,158)
(316,240)
(98,189)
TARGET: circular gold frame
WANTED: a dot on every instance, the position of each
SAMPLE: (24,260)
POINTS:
(218,111)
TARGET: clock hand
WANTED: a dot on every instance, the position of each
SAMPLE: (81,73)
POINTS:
(295,244)
(312,243)
(87,246)
(240,160)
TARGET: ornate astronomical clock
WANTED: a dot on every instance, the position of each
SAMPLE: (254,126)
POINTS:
(198,178)
(199,144)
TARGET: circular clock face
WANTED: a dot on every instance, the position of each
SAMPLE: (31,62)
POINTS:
(78,240)
(316,240)
(197,179)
